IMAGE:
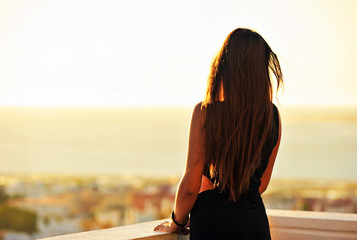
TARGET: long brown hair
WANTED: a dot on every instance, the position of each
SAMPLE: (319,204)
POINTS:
(238,109)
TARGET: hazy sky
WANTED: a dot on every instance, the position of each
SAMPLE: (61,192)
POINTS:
(61,52)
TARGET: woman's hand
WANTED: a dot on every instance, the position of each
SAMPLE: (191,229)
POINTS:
(170,226)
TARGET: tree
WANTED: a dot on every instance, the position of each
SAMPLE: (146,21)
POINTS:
(18,219)
(3,195)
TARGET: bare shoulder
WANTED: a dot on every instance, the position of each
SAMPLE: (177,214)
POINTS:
(197,112)
(195,143)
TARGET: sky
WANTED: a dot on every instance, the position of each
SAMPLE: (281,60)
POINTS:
(139,52)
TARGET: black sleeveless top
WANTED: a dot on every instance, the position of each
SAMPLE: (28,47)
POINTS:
(253,195)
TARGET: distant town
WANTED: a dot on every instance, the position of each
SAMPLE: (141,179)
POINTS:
(35,206)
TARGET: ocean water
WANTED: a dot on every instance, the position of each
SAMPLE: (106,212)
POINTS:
(316,142)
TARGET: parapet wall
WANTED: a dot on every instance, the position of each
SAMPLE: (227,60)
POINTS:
(284,225)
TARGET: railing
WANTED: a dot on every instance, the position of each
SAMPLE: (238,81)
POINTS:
(284,225)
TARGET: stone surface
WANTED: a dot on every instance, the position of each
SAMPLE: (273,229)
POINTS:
(134,231)
(284,225)
(306,225)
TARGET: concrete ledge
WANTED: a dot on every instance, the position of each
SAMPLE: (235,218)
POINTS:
(291,225)
(284,225)
(134,231)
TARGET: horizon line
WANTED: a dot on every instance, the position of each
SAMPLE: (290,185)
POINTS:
(165,105)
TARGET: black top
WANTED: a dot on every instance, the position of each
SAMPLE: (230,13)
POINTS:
(253,193)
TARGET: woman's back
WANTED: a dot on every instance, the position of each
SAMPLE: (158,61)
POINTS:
(215,216)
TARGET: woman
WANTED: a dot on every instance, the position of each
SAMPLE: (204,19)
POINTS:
(234,139)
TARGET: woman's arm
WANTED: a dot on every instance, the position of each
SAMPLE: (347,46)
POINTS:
(190,183)
(268,171)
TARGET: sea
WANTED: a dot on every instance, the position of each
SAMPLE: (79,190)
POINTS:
(316,143)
